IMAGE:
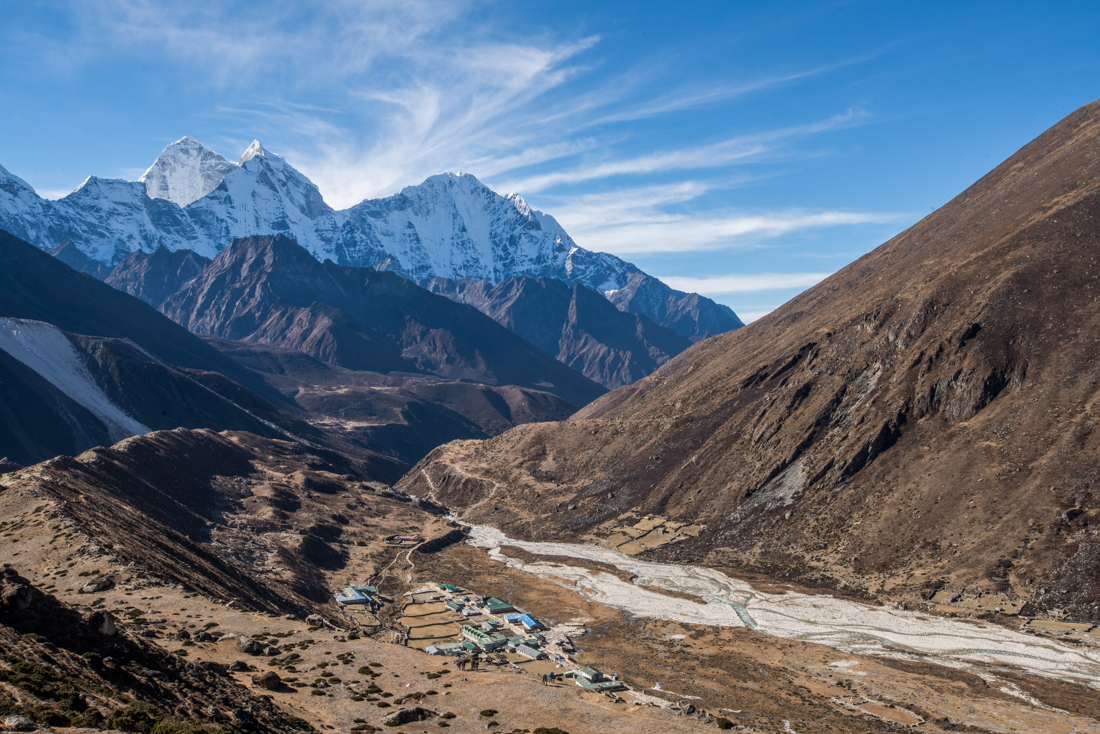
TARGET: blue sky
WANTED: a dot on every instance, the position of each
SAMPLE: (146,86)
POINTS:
(741,150)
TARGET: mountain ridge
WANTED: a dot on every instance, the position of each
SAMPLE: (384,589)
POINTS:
(922,419)
(449,226)
(270,290)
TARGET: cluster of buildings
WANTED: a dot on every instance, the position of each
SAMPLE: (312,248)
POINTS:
(494,625)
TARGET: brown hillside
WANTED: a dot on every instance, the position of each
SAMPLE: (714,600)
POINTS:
(923,417)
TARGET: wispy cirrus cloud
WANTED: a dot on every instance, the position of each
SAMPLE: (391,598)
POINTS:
(637,221)
(366,98)
(715,155)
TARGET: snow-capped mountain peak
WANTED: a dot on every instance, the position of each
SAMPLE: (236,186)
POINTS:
(6,177)
(519,203)
(253,150)
(450,226)
(185,171)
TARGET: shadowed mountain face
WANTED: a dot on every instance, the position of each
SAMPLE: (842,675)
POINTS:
(83,364)
(34,285)
(576,325)
(128,369)
(70,254)
(925,417)
(688,314)
(153,276)
(398,414)
(268,290)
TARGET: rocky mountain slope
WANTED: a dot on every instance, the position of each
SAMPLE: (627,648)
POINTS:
(575,325)
(68,666)
(924,418)
(71,255)
(153,276)
(87,365)
(450,226)
(399,415)
(232,516)
(84,365)
(269,290)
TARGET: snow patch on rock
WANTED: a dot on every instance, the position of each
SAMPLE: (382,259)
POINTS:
(46,350)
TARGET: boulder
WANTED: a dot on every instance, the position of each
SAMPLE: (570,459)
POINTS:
(19,723)
(238,666)
(249,646)
(18,597)
(269,681)
(243,716)
(102,622)
(406,716)
(100,583)
(204,636)
(271,651)
(217,669)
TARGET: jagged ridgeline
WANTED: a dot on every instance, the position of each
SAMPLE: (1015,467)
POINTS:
(450,226)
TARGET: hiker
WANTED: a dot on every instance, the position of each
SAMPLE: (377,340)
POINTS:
(544,678)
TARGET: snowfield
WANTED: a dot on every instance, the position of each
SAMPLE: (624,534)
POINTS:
(47,351)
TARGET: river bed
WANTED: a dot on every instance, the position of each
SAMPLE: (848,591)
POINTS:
(842,624)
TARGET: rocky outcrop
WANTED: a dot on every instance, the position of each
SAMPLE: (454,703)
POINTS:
(269,681)
(407,716)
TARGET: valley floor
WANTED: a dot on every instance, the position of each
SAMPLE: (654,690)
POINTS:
(694,645)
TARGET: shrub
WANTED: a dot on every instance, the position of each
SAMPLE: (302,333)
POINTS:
(552,730)
(489,712)
(724,724)
(92,719)
(137,716)
(51,717)
(447,715)
(177,726)
(39,680)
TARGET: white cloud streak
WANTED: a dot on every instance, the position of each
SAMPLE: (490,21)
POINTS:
(749,316)
(636,221)
(728,284)
(717,155)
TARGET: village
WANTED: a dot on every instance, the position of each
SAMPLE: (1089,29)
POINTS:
(483,631)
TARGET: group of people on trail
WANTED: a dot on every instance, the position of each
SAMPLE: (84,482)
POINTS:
(549,678)
(472,663)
